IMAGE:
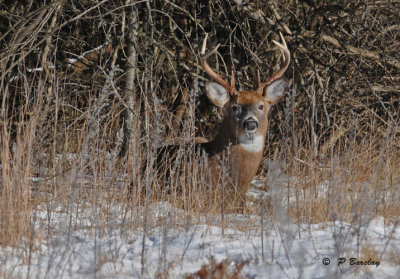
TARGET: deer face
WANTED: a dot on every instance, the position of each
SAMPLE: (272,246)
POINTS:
(246,113)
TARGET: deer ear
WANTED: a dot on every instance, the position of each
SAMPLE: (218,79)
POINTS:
(274,92)
(217,94)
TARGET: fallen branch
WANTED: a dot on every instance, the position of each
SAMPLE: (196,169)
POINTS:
(251,11)
(354,50)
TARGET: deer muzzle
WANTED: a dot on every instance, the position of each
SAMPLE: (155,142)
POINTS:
(250,125)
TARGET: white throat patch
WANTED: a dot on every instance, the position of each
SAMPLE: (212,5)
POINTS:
(252,143)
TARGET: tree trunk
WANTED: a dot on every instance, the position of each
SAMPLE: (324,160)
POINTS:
(130,79)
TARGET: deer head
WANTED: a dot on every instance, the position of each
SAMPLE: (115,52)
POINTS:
(245,112)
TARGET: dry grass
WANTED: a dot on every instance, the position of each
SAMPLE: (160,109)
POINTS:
(361,181)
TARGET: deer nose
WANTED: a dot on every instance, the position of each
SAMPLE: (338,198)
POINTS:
(250,124)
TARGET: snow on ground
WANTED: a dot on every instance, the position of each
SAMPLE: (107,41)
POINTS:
(75,247)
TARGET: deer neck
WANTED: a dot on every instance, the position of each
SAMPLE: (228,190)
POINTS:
(242,156)
(246,145)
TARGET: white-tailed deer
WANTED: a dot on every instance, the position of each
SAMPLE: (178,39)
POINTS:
(235,154)
(240,142)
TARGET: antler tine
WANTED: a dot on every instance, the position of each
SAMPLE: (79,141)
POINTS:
(230,87)
(285,60)
(233,80)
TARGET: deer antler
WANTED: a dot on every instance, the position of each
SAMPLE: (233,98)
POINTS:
(229,87)
(285,60)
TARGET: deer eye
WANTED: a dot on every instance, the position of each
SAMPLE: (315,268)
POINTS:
(260,107)
(235,108)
